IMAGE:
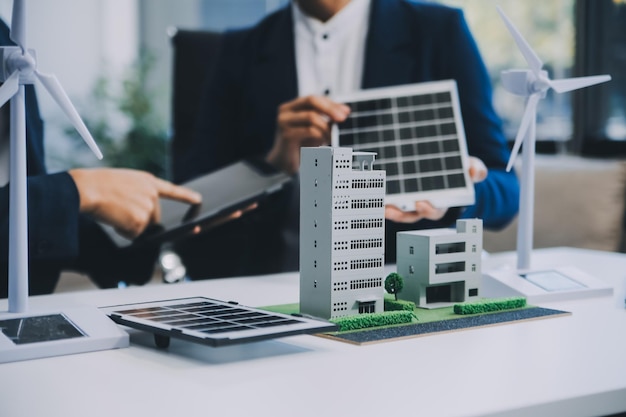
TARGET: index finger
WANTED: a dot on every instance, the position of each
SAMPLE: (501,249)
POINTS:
(337,112)
(172,191)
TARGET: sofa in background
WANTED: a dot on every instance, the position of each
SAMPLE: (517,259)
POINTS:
(579,202)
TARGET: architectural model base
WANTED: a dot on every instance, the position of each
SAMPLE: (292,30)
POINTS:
(40,334)
(544,285)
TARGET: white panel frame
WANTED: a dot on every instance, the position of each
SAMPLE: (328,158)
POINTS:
(456,197)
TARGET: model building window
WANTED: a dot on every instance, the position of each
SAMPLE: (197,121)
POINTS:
(367,307)
(449,267)
(456,247)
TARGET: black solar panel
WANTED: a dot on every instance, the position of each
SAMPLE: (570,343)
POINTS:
(417,132)
(212,322)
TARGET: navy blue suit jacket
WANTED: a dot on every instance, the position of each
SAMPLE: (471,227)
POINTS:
(59,237)
(408,42)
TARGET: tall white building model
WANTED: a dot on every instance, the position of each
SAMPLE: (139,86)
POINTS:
(441,266)
(342,233)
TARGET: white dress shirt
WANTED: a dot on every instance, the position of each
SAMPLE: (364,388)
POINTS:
(330,55)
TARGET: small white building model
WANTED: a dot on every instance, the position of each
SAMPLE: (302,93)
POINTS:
(342,233)
(441,266)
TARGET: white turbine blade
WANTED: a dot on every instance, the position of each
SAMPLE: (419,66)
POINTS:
(569,84)
(516,81)
(529,113)
(55,89)
(9,88)
(534,62)
(18,24)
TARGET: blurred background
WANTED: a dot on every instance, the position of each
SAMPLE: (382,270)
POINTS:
(114,58)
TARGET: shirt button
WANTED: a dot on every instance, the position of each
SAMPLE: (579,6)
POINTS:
(325,36)
(327,92)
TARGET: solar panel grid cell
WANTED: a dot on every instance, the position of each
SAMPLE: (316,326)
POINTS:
(212,322)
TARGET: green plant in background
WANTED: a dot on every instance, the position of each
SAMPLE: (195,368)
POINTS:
(126,126)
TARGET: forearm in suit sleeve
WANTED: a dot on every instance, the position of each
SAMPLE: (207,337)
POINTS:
(497,197)
(53,205)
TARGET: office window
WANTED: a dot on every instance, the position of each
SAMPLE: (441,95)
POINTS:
(227,14)
(549,28)
(573,38)
(601,111)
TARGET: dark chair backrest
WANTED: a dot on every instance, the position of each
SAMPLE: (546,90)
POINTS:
(194,54)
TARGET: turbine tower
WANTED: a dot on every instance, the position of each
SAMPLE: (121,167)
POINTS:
(532,83)
(84,329)
(20,65)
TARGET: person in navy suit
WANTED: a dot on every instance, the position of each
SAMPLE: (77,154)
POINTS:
(270,94)
(63,208)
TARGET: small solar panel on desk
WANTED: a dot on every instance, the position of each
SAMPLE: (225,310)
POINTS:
(211,322)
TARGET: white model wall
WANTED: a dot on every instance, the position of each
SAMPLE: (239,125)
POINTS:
(342,215)
(418,261)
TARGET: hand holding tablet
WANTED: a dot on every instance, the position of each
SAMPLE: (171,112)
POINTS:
(226,195)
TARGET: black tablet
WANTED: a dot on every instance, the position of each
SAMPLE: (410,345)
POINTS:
(224,191)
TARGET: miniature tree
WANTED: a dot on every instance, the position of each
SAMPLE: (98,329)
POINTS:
(394,284)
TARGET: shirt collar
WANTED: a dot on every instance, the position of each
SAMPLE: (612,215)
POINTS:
(355,12)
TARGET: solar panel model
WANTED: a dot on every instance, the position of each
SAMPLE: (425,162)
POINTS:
(417,133)
(211,322)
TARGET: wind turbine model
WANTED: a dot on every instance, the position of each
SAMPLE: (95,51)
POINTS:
(534,83)
(33,335)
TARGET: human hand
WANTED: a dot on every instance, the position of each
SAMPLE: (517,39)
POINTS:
(304,121)
(127,199)
(477,169)
(224,219)
(424,209)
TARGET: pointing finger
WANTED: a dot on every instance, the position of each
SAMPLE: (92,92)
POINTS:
(175,192)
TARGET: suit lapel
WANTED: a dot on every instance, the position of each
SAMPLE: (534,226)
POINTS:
(275,62)
(388,55)
(270,80)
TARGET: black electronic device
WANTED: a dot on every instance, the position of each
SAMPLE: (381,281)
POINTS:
(234,187)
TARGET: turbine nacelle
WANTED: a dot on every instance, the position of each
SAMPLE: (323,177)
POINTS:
(525,82)
(15,59)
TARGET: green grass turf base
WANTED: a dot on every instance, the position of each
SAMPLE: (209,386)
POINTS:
(429,322)
(374,335)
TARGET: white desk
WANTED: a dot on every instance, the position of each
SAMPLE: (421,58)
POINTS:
(566,366)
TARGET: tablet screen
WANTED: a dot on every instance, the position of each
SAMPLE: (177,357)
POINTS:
(224,191)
